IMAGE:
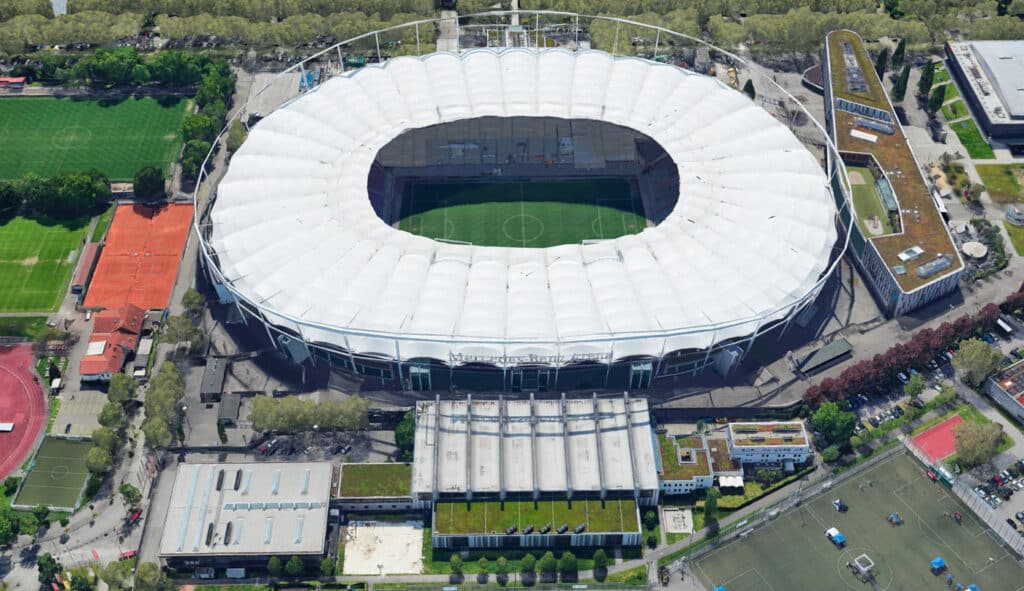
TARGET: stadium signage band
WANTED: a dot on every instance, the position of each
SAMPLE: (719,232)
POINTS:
(528,359)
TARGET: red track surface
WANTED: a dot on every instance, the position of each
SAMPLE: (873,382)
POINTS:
(140,257)
(938,442)
(21,403)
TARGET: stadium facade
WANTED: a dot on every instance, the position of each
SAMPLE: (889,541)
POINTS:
(297,241)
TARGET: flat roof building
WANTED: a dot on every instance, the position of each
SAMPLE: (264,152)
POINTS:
(899,239)
(240,514)
(1006,387)
(496,449)
(768,443)
(991,76)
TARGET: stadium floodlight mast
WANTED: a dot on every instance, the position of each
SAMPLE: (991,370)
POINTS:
(788,311)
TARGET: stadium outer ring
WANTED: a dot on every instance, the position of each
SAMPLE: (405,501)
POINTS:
(833,162)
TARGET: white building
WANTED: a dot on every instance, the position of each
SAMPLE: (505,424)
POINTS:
(768,442)
(685,464)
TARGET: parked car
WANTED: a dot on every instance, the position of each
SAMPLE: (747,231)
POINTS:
(1020,516)
(932,475)
(874,421)
(902,377)
(1012,523)
(916,403)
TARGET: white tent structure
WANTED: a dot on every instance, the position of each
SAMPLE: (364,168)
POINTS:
(294,236)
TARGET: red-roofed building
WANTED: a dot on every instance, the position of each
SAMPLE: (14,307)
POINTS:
(115,334)
(84,268)
(17,82)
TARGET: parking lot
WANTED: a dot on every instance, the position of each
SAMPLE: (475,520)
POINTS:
(347,446)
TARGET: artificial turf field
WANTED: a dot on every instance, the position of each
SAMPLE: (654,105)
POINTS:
(59,475)
(535,214)
(47,135)
(36,261)
(791,552)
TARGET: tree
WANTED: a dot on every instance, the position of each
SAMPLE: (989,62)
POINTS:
(768,476)
(113,575)
(700,425)
(8,526)
(405,434)
(112,416)
(193,156)
(567,565)
(291,414)
(455,562)
(976,360)
(548,564)
(41,512)
(198,127)
(836,424)
(130,494)
(976,443)
(98,460)
(748,89)
(600,559)
(527,565)
(236,135)
(501,566)
(182,329)
(651,541)
(936,99)
(924,85)
(711,507)
(106,438)
(483,565)
(831,454)
(274,566)
(148,183)
(10,485)
(48,567)
(157,432)
(897,54)
(149,577)
(122,388)
(650,520)
(10,198)
(881,62)
(193,301)
(914,386)
(82,584)
(294,566)
(327,567)
(899,89)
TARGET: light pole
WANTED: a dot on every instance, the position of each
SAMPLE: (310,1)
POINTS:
(184,413)
(316,433)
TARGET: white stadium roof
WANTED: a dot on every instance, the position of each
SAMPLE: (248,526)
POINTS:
(295,233)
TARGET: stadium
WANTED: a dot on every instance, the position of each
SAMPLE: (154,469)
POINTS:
(520,218)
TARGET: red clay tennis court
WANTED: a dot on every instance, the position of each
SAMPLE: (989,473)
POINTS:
(938,442)
(21,403)
(140,257)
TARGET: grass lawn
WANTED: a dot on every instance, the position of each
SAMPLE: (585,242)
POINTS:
(59,474)
(102,223)
(521,213)
(867,202)
(37,257)
(115,136)
(950,93)
(940,76)
(630,577)
(790,552)
(376,480)
(1016,237)
(1003,181)
(54,411)
(29,327)
(954,110)
(486,516)
(971,138)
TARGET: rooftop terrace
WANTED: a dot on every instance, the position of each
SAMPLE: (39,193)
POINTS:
(922,225)
(494,516)
(766,434)
(694,461)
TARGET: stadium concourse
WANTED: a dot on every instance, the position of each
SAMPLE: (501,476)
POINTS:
(297,239)
(22,407)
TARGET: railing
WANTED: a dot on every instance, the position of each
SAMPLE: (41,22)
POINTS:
(576,28)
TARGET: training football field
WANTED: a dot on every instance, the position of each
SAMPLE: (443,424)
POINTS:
(37,257)
(534,214)
(47,135)
(791,552)
(59,475)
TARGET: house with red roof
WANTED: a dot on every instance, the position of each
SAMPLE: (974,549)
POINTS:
(115,335)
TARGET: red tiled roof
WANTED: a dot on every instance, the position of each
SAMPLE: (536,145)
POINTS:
(119,331)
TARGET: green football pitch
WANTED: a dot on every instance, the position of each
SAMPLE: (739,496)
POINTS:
(534,214)
(791,552)
(117,137)
(37,257)
(58,477)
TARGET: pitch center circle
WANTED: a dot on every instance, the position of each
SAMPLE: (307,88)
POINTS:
(523,227)
(71,136)
(59,472)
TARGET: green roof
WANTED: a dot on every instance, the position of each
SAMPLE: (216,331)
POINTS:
(672,468)
(461,518)
(376,480)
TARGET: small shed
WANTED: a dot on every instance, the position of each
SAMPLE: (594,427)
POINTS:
(213,379)
(228,412)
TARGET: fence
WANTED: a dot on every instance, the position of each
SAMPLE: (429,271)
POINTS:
(1006,535)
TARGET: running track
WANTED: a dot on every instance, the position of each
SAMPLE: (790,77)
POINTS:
(21,403)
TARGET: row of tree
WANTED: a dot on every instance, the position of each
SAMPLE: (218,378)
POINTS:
(66,195)
(163,405)
(213,98)
(257,10)
(548,566)
(32,31)
(121,66)
(291,414)
(107,440)
(879,372)
(12,8)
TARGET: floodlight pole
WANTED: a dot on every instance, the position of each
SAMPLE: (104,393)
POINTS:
(376,39)
(615,45)
(657,39)
(577,32)
(417,39)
